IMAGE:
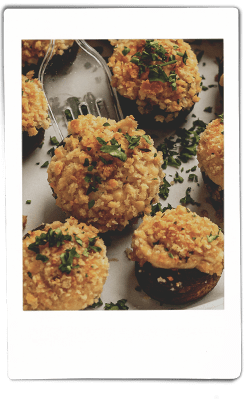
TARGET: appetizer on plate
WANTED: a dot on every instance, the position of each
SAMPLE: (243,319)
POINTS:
(35,118)
(64,266)
(210,154)
(160,75)
(106,173)
(179,255)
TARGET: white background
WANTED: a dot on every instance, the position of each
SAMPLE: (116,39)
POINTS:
(165,344)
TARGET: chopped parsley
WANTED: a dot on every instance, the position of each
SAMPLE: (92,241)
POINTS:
(67,260)
(178,178)
(208,109)
(29,274)
(164,191)
(53,237)
(188,199)
(193,177)
(91,203)
(42,257)
(125,51)
(54,141)
(221,117)
(51,152)
(114,150)
(200,55)
(158,207)
(204,88)
(184,147)
(28,201)
(211,237)
(45,164)
(120,305)
(78,240)
(170,255)
(106,124)
(153,51)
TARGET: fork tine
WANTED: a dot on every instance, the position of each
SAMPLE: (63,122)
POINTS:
(77,85)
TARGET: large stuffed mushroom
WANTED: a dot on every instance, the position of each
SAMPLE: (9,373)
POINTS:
(179,256)
(106,173)
(160,75)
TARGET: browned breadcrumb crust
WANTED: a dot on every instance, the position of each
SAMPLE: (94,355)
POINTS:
(124,188)
(34,105)
(210,152)
(45,287)
(148,94)
(33,50)
(178,239)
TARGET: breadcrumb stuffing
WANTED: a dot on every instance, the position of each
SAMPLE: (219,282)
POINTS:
(34,105)
(130,84)
(179,238)
(101,189)
(210,152)
(33,50)
(46,287)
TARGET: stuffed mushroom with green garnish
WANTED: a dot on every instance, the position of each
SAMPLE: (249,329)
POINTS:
(64,266)
(179,256)
(210,154)
(106,173)
(160,75)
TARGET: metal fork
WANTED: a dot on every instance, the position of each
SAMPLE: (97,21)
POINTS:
(77,83)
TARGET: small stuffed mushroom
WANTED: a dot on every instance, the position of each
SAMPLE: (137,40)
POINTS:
(179,255)
(210,154)
(161,76)
(64,266)
(106,173)
(34,50)
(35,118)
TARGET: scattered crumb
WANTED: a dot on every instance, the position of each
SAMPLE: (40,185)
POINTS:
(160,279)
(113,259)
(24,221)
(128,251)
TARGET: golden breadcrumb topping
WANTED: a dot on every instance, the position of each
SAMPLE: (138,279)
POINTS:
(46,285)
(107,172)
(135,86)
(33,50)
(34,105)
(210,152)
(179,239)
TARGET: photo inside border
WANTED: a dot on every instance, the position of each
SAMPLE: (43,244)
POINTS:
(123,279)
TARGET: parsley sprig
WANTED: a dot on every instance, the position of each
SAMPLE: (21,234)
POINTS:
(154,52)
(114,149)
(53,237)
(67,260)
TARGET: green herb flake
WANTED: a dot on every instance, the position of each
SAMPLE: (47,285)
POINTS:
(170,255)
(178,178)
(120,305)
(164,191)
(91,203)
(29,274)
(45,164)
(78,240)
(199,56)
(42,257)
(125,51)
(114,151)
(51,152)
(188,199)
(67,260)
(211,237)
(106,124)
(204,88)
(86,162)
(208,109)
(54,141)
(133,141)
(28,201)
(101,140)
(193,178)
